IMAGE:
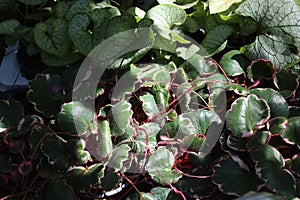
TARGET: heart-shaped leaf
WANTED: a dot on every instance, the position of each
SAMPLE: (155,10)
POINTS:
(76,149)
(291,133)
(231,173)
(279,29)
(7,119)
(60,190)
(87,32)
(82,179)
(47,94)
(277,103)
(75,117)
(166,16)
(246,114)
(160,167)
(8,26)
(269,164)
(216,39)
(52,36)
(217,6)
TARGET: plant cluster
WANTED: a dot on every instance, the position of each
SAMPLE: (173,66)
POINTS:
(55,147)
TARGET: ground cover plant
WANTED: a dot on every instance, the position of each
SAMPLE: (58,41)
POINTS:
(153,138)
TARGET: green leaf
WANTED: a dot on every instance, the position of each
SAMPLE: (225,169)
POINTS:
(160,167)
(147,137)
(149,105)
(5,166)
(78,7)
(52,36)
(75,117)
(291,133)
(32,2)
(217,6)
(118,156)
(261,69)
(82,179)
(247,114)
(258,139)
(46,94)
(215,41)
(277,103)
(76,148)
(11,113)
(279,28)
(8,26)
(55,149)
(259,196)
(60,190)
(269,164)
(55,61)
(87,32)
(166,16)
(295,166)
(121,115)
(121,23)
(287,83)
(277,125)
(109,181)
(106,143)
(25,168)
(230,65)
(202,119)
(231,173)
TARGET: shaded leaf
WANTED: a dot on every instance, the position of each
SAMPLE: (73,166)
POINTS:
(269,164)
(75,117)
(52,36)
(291,133)
(231,173)
(7,119)
(60,190)
(261,69)
(82,179)
(8,26)
(216,39)
(258,139)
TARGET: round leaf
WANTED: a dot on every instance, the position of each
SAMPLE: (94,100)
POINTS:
(232,173)
(52,36)
(291,133)
(277,103)
(269,163)
(261,69)
(160,167)
(246,114)
(75,117)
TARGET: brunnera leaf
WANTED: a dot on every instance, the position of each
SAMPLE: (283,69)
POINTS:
(247,114)
(217,6)
(278,32)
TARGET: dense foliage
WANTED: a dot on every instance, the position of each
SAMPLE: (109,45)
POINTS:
(244,83)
